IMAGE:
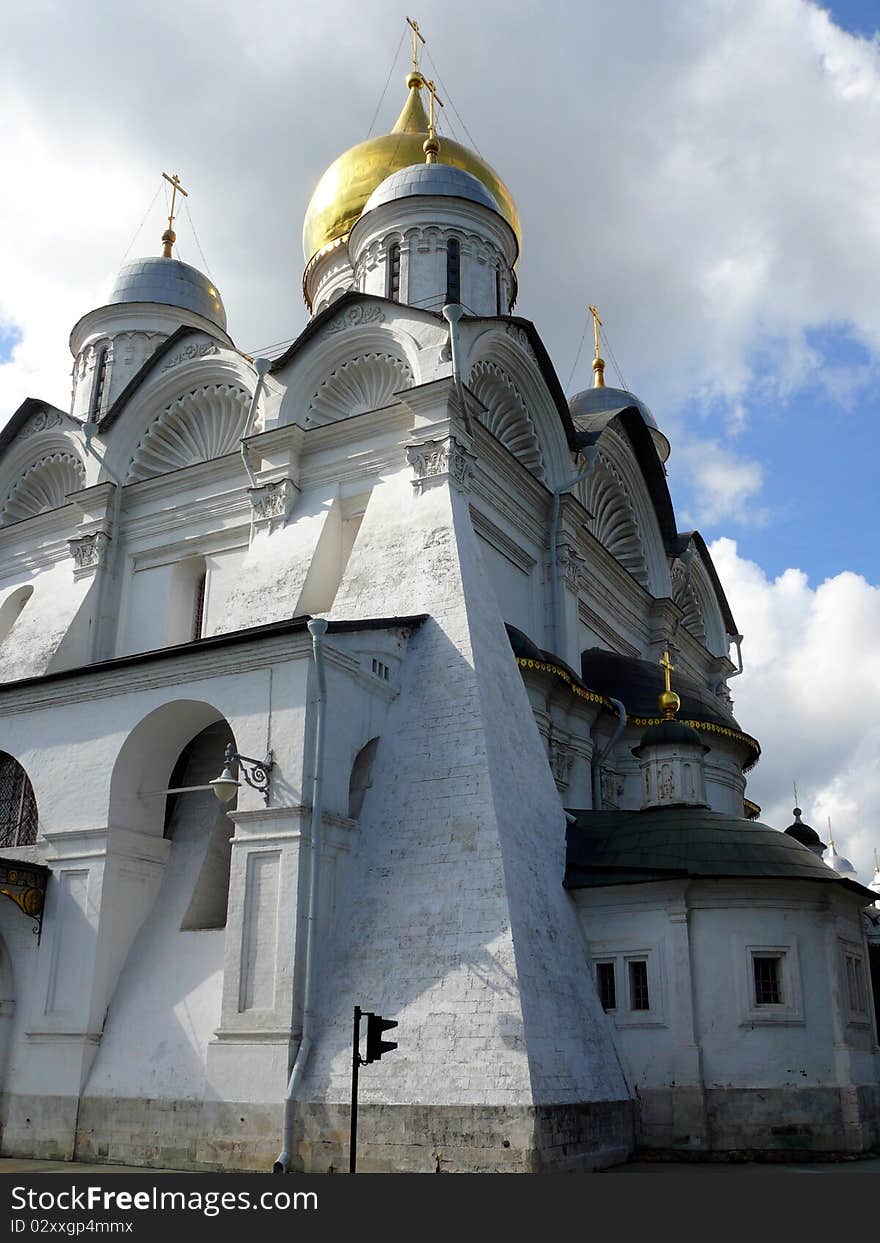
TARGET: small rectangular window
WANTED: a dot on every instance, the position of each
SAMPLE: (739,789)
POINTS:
(606,985)
(453,270)
(768,979)
(855,983)
(393,282)
(638,984)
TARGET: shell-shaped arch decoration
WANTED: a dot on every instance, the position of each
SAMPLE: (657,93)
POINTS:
(44,486)
(614,522)
(199,426)
(688,601)
(506,415)
(367,382)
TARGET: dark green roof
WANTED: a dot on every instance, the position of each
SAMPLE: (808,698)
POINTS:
(633,847)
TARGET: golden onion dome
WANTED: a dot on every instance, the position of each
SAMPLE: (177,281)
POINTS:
(343,190)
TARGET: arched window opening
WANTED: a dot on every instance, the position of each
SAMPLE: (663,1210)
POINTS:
(497,291)
(199,605)
(361,777)
(392,283)
(11,609)
(453,270)
(98,384)
(200,829)
(18,807)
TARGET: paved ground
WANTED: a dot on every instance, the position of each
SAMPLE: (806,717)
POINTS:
(871,1165)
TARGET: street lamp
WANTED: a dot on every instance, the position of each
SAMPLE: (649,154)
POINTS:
(255,772)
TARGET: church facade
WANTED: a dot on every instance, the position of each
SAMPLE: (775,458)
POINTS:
(380,674)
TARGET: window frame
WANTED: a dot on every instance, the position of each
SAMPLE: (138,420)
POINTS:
(852,952)
(787,1012)
(620,956)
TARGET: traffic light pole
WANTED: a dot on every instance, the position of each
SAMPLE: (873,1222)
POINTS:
(355,1066)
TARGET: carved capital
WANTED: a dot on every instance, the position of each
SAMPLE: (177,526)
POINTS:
(571,566)
(441,461)
(88,551)
(561,760)
(272,502)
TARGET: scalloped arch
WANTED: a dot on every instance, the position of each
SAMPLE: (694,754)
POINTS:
(43,486)
(506,415)
(199,426)
(367,382)
(688,601)
(614,520)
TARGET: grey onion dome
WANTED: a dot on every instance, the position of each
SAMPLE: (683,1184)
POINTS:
(171,283)
(804,833)
(431,179)
(594,407)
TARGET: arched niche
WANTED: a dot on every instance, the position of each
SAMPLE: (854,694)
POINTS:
(701,614)
(146,761)
(12,607)
(505,414)
(361,778)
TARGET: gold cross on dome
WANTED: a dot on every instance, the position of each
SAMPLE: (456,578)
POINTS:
(597,324)
(434,98)
(169,237)
(668,667)
(416,36)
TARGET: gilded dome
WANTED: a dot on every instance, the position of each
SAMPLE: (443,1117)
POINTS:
(342,192)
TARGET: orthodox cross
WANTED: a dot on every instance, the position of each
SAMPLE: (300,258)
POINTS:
(598,361)
(169,237)
(416,36)
(431,146)
(668,667)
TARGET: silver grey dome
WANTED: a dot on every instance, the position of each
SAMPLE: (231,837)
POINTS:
(439,179)
(172,283)
(592,409)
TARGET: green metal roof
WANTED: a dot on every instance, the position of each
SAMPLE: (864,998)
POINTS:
(634,847)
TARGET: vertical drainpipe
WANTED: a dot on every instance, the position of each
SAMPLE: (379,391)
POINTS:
(597,762)
(452,313)
(317,629)
(261,366)
(109,571)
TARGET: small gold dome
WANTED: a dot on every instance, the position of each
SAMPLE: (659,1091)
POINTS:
(669,703)
(343,190)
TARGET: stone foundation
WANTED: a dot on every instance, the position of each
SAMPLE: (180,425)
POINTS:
(391,1138)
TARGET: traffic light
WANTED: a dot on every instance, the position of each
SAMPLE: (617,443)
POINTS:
(376,1046)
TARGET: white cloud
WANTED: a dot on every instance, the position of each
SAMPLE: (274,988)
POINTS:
(724,484)
(810,693)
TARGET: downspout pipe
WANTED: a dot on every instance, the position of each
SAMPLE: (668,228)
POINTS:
(110,571)
(317,629)
(261,366)
(597,762)
(452,313)
(556,626)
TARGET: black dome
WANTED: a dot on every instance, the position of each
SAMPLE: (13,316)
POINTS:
(668,734)
(804,833)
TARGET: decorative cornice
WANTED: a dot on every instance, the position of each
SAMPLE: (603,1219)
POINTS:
(441,461)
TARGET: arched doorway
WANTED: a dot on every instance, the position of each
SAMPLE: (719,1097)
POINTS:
(18,806)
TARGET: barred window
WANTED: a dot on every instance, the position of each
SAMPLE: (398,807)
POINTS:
(855,980)
(768,981)
(638,985)
(606,985)
(18,807)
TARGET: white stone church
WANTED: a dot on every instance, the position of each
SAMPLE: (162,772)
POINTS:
(341,680)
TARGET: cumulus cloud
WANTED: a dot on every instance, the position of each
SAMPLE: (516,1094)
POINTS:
(723,483)
(809,693)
